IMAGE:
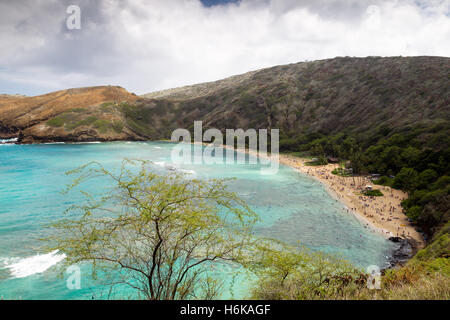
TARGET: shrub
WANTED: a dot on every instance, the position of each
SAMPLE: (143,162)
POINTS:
(55,122)
(117,126)
(321,160)
(78,110)
(373,193)
(385,181)
(426,177)
(287,273)
(406,179)
(414,212)
(102,125)
(84,122)
(341,172)
(106,104)
(441,183)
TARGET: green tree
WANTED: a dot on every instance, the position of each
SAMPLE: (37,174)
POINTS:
(414,212)
(318,150)
(426,177)
(160,232)
(406,179)
(391,156)
(357,162)
(288,273)
(410,156)
(348,145)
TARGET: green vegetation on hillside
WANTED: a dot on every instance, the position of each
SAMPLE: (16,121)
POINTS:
(286,273)
(405,160)
(386,116)
(414,159)
(56,122)
(150,120)
(79,117)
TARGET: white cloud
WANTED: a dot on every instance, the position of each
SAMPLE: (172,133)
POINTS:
(152,45)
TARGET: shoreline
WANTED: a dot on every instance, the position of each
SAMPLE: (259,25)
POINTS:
(383,214)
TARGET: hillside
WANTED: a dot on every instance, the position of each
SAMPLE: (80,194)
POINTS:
(363,96)
(68,115)
(360,95)
(199,90)
(389,116)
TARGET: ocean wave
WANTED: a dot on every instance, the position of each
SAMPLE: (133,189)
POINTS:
(85,142)
(165,165)
(24,267)
(173,168)
(8,141)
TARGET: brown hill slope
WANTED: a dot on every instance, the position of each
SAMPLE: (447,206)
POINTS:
(67,115)
(198,90)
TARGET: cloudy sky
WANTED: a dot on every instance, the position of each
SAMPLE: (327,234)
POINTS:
(148,45)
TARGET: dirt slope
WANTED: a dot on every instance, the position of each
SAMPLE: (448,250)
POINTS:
(44,118)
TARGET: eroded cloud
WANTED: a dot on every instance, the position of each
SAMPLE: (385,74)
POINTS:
(150,45)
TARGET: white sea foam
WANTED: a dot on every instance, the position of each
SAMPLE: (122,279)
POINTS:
(157,147)
(24,267)
(165,165)
(173,168)
(8,141)
(86,142)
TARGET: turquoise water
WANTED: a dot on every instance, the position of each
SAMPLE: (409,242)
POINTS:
(292,208)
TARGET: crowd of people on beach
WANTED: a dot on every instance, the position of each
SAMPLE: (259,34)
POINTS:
(385,213)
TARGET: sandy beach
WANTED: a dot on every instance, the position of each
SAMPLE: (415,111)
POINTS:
(383,214)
